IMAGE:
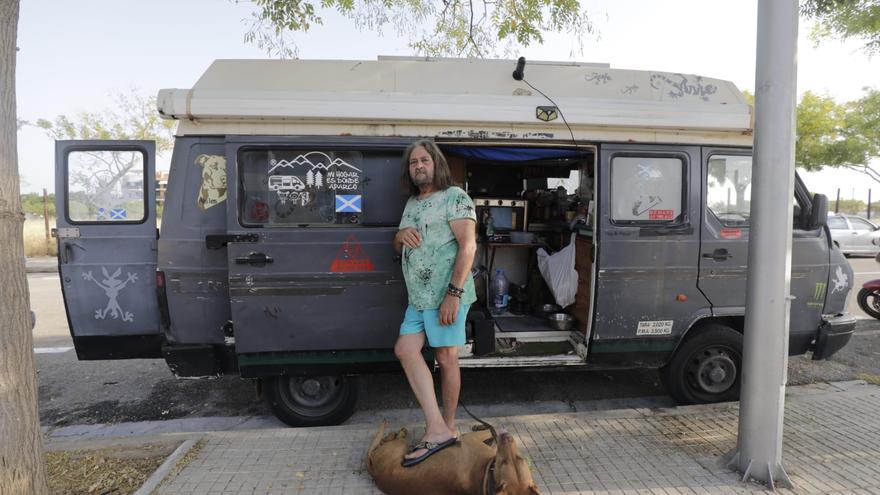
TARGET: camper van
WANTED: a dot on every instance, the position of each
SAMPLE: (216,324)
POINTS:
(274,259)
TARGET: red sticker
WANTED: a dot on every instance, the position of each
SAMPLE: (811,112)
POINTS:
(660,214)
(351,258)
(731,233)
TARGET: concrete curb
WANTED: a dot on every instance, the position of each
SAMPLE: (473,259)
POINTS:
(159,474)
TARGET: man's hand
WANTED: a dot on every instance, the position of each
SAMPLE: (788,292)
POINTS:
(409,237)
(449,310)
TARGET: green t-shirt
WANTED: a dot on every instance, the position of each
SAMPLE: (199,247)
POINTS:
(428,268)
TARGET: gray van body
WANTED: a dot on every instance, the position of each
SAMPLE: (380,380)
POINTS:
(217,293)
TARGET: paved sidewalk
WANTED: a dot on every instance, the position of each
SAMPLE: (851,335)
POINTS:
(832,445)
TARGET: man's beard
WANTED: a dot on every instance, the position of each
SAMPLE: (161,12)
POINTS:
(422,179)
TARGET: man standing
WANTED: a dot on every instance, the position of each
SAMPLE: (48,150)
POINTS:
(437,241)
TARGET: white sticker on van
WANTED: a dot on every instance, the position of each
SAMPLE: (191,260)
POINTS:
(660,327)
(841,280)
(112,286)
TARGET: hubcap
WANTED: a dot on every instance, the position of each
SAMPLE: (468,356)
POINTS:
(713,370)
(314,392)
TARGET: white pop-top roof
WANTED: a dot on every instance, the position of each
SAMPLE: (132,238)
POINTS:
(444,96)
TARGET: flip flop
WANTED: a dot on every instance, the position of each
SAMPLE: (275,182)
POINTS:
(432,449)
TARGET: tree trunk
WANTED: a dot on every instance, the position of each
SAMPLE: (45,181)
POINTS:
(22,470)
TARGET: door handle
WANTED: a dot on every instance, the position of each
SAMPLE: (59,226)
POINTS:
(718,255)
(254,258)
(66,253)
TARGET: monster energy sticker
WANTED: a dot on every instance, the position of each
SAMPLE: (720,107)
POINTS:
(818,295)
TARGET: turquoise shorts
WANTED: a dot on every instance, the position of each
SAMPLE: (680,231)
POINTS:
(428,321)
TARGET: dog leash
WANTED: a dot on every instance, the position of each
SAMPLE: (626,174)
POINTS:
(487,425)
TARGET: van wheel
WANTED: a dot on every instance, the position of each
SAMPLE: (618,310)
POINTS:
(312,400)
(707,367)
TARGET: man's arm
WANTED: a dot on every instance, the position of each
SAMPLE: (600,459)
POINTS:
(466,236)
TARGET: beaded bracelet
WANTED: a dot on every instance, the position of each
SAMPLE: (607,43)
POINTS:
(454,291)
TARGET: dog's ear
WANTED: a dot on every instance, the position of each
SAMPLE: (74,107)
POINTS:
(201,159)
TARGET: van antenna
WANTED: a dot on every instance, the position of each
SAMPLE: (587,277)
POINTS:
(519,75)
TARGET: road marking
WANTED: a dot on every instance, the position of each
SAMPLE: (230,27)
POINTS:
(51,350)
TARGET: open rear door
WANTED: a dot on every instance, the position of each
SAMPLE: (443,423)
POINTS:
(107,237)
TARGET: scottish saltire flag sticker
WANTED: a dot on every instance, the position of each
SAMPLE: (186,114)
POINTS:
(348,203)
(102,213)
(118,214)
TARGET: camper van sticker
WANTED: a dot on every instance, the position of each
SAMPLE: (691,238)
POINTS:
(112,286)
(321,171)
(598,78)
(629,90)
(678,86)
(840,281)
(213,189)
(639,206)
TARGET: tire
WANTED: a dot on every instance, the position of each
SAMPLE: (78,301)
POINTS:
(312,400)
(869,301)
(706,367)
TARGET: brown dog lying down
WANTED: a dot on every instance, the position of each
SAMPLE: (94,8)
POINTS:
(464,468)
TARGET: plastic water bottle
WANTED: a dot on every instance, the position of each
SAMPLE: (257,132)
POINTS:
(499,292)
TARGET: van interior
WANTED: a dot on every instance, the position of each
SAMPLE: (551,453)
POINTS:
(528,199)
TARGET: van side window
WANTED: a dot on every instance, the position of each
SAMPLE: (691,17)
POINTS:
(646,189)
(106,186)
(300,187)
(729,189)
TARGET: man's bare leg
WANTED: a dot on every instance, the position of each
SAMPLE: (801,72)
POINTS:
(409,350)
(450,376)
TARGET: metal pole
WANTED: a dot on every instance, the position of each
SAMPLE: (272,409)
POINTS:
(837,203)
(46,220)
(758,454)
(869,204)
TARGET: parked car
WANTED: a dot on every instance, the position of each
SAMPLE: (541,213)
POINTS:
(854,234)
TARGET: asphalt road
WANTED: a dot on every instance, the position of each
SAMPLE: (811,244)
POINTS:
(88,392)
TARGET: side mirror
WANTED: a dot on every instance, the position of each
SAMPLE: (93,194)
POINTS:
(819,212)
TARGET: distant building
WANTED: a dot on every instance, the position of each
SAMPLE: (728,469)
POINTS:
(161,185)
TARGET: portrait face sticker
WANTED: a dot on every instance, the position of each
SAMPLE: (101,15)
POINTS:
(213,189)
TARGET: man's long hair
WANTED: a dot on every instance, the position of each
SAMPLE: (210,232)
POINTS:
(442,173)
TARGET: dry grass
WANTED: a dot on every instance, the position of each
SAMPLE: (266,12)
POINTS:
(35,243)
(104,471)
(872,379)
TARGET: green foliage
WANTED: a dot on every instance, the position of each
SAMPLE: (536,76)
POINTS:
(454,27)
(835,135)
(133,117)
(851,206)
(98,179)
(32,203)
(845,19)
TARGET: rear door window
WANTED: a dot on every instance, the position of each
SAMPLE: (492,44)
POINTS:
(106,186)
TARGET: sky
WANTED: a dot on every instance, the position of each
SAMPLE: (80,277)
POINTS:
(74,56)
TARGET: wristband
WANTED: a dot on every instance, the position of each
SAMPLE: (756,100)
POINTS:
(455,291)
(453,294)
